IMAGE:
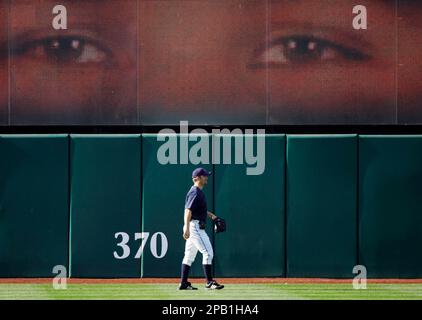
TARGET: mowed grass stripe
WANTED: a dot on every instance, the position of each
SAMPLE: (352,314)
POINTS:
(153,291)
(373,291)
(232,291)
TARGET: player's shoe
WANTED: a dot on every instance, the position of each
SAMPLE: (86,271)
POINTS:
(186,286)
(214,285)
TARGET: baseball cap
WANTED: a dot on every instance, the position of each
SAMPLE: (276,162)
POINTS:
(200,172)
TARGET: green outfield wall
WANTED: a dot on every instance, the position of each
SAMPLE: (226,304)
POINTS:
(111,206)
(254,209)
(105,205)
(390,205)
(164,189)
(321,205)
(34,204)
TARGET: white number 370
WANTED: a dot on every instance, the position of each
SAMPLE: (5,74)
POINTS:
(123,244)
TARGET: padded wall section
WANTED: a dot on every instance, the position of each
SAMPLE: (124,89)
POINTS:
(253,206)
(34,214)
(164,190)
(105,201)
(390,193)
(321,205)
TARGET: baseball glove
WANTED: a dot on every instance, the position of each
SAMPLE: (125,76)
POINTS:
(219,225)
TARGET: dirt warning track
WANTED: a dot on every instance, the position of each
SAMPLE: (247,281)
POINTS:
(200,280)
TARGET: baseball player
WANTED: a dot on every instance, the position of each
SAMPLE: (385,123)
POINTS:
(194,232)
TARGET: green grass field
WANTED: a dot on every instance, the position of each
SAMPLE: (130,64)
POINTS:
(232,291)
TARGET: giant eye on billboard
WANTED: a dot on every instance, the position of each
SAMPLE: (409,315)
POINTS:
(262,62)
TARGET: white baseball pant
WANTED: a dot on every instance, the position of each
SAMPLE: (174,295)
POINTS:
(197,241)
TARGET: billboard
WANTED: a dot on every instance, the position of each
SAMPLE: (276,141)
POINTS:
(210,62)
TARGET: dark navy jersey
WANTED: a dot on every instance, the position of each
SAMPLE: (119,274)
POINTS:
(196,202)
